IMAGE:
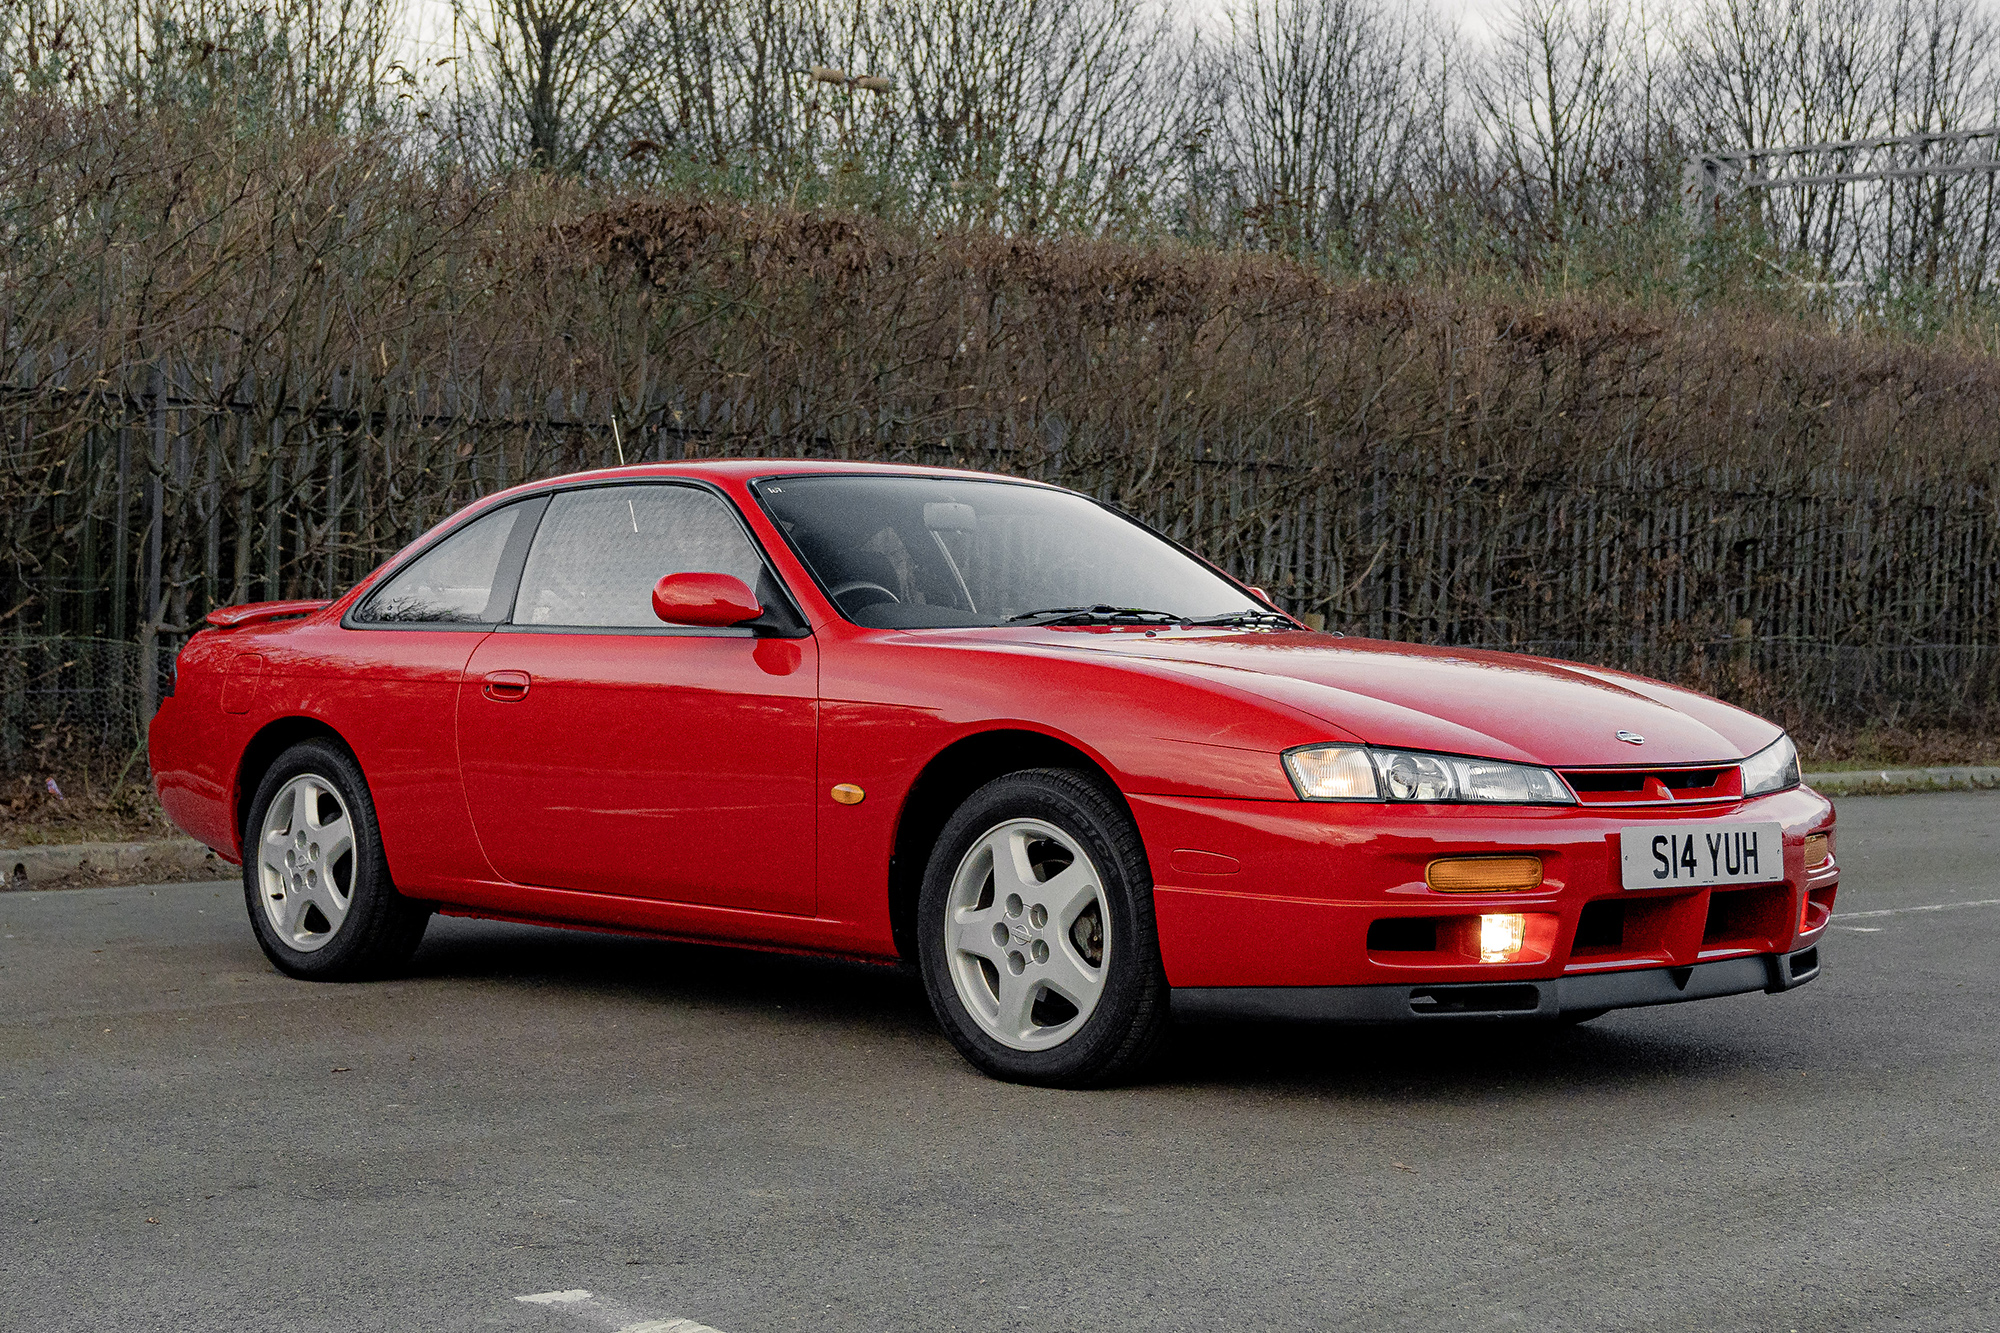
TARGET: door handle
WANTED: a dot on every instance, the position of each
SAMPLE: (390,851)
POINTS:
(506,686)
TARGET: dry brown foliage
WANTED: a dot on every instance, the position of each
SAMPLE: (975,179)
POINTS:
(288,357)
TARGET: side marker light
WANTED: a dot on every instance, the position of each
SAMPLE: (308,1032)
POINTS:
(1484,874)
(848,794)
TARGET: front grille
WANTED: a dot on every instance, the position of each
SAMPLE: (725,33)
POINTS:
(1645,786)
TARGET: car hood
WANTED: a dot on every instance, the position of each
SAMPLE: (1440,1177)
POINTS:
(1454,700)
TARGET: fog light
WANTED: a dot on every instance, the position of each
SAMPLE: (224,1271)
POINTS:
(1818,848)
(1501,937)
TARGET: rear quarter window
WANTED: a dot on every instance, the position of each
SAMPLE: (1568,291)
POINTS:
(453,583)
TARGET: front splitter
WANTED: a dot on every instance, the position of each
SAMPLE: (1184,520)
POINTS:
(1550,998)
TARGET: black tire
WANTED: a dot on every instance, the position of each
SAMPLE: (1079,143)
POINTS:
(1132,1012)
(1576,1018)
(381,927)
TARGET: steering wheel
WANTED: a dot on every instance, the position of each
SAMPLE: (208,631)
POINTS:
(861,585)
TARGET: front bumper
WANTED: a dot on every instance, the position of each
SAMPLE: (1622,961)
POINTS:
(1549,998)
(1271,894)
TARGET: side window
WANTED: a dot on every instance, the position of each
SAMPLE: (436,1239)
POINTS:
(452,583)
(599,552)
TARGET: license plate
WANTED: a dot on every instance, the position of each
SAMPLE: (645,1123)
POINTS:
(1693,856)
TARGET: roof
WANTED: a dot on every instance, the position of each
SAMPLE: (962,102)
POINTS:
(751,469)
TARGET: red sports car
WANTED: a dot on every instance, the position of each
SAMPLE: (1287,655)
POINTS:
(1078,776)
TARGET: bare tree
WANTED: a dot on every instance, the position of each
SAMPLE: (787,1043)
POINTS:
(49,45)
(1733,56)
(277,66)
(1772,73)
(729,85)
(1035,111)
(1319,112)
(1941,77)
(1550,97)
(558,75)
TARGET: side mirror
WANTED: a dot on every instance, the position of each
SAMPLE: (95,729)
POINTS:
(704,599)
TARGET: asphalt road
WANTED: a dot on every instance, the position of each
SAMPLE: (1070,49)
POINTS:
(190,1141)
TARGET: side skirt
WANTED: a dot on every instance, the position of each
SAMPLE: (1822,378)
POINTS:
(692,923)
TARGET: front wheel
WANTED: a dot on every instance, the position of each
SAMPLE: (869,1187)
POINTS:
(314,875)
(1038,947)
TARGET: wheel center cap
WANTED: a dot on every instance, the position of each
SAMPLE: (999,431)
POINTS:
(1021,933)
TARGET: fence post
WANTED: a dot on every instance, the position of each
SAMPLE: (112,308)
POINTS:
(239,585)
(333,497)
(274,520)
(149,630)
(87,568)
(121,540)
(211,574)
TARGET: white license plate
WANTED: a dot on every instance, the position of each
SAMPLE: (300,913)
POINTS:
(1693,856)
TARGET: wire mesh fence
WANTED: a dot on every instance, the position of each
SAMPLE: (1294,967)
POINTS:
(63,700)
(69,702)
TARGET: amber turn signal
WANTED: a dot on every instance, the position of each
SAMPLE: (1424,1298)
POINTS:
(848,794)
(1485,874)
(1818,848)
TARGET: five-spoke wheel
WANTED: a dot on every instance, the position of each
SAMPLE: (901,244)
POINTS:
(314,874)
(306,862)
(1037,940)
(1025,934)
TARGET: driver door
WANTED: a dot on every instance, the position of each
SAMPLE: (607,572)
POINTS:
(605,752)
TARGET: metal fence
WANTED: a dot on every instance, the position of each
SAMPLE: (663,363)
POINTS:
(143,504)
(1824,598)
(162,508)
(64,701)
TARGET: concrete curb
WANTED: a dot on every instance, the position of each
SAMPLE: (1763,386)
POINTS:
(1892,781)
(166,861)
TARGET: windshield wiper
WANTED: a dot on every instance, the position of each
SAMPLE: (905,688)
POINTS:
(1100,614)
(1244,618)
(1105,614)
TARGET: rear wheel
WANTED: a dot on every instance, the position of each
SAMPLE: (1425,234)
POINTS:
(1037,945)
(314,877)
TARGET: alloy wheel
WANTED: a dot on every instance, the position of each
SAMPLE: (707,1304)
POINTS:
(1027,934)
(306,862)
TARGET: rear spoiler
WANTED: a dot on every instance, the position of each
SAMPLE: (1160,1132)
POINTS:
(259,613)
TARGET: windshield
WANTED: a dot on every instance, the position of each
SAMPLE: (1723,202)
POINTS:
(928,552)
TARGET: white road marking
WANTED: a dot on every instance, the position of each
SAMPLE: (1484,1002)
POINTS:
(1898,911)
(610,1314)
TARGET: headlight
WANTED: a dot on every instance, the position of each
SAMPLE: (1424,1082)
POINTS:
(1773,768)
(1358,773)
